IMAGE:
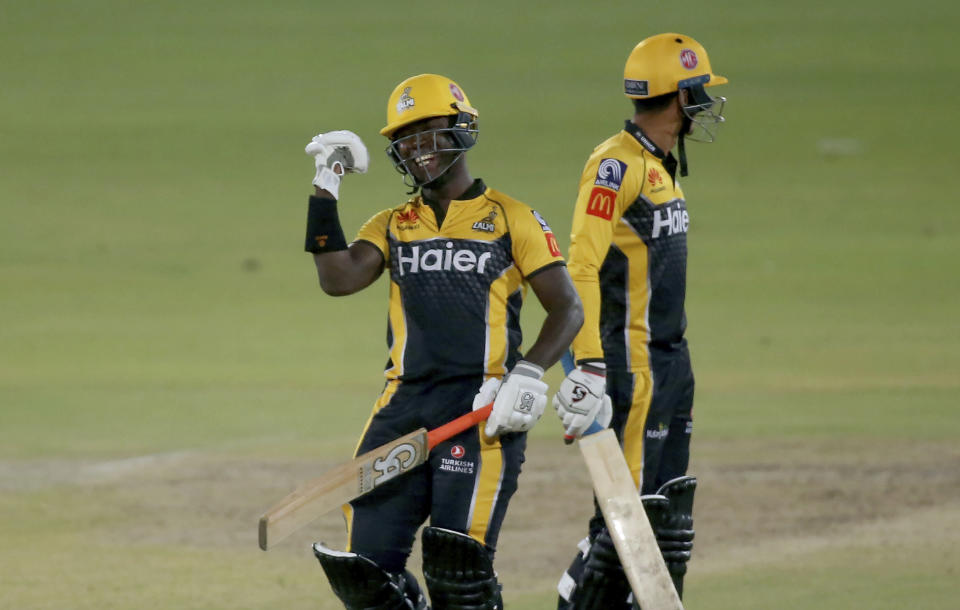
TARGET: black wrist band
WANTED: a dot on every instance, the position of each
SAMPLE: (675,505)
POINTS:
(324,233)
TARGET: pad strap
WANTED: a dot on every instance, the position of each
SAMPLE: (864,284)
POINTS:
(324,233)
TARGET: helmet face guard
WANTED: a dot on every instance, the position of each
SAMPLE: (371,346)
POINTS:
(416,149)
(703,111)
(422,98)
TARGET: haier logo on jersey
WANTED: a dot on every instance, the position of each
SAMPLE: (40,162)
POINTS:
(414,259)
(671,219)
(610,173)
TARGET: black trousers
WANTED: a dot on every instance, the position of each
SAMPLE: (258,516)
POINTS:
(465,486)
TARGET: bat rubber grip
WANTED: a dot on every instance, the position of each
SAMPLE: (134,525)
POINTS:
(592,429)
(455,427)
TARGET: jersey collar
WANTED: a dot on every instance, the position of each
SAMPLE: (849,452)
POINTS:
(631,128)
(476,189)
(669,163)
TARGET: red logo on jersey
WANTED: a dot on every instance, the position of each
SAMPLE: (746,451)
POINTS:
(601,202)
(457,451)
(410,216)
(552,244)
(689,59)
(654,177)
(455,90)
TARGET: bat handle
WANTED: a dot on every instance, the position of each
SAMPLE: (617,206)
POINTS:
(592,429)
(455,427)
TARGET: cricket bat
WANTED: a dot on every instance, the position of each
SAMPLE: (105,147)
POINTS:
(627,522)
(360,475)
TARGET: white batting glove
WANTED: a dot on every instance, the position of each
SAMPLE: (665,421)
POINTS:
(486,395)
(582,398)
(336,153)
(520,400)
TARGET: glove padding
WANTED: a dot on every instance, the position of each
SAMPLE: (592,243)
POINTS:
(518,401)
(336,153)
(581,399)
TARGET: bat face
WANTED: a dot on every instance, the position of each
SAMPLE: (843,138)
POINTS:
(399,460)
(627,522)
(358,476)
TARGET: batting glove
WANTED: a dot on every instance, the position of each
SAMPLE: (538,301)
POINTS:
(520,400)
(336,153)
(582,398)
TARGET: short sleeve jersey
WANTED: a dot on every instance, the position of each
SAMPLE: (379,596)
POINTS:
(628,252)
(456,289)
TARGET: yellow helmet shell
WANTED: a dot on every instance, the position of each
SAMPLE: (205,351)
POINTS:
(422,97)
(666,63)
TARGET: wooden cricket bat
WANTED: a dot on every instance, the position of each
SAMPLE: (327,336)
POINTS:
(627,522)
(360,475)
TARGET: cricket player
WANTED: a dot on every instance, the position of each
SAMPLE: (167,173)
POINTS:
(459,255)
(628,260)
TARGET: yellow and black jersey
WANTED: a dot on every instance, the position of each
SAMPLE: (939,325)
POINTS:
(456,288)
(628,252)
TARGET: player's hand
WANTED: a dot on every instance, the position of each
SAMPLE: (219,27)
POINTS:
(336,153)
(520,400)
(582,398)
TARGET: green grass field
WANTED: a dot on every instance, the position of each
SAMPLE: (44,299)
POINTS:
(169,368)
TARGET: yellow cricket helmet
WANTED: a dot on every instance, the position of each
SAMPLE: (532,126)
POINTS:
(666,63)
(426,96)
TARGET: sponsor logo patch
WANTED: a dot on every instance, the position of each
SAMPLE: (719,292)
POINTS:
(410,216)
(671,219)
(552,244)
(408,220)
(654,177)
(635,87)
(601,202)
(417,259)
(659,434)
(458,466)
(457,451)
(455,90)
(689,59)
(405,102)
(610,173)
(542,221)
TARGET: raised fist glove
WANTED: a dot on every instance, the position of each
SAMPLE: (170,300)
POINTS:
(520,400)
(582,398)
(336,153)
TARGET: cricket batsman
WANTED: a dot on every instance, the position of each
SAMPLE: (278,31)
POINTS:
(459,256)
(628,261)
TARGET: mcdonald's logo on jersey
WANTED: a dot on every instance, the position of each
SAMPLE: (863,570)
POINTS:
(601,202)
(552,244)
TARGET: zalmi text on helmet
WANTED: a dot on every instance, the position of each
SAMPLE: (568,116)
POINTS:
(437,259)
(405,101)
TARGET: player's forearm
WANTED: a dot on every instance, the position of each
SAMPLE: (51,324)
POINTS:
(556,333)
(338,274)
